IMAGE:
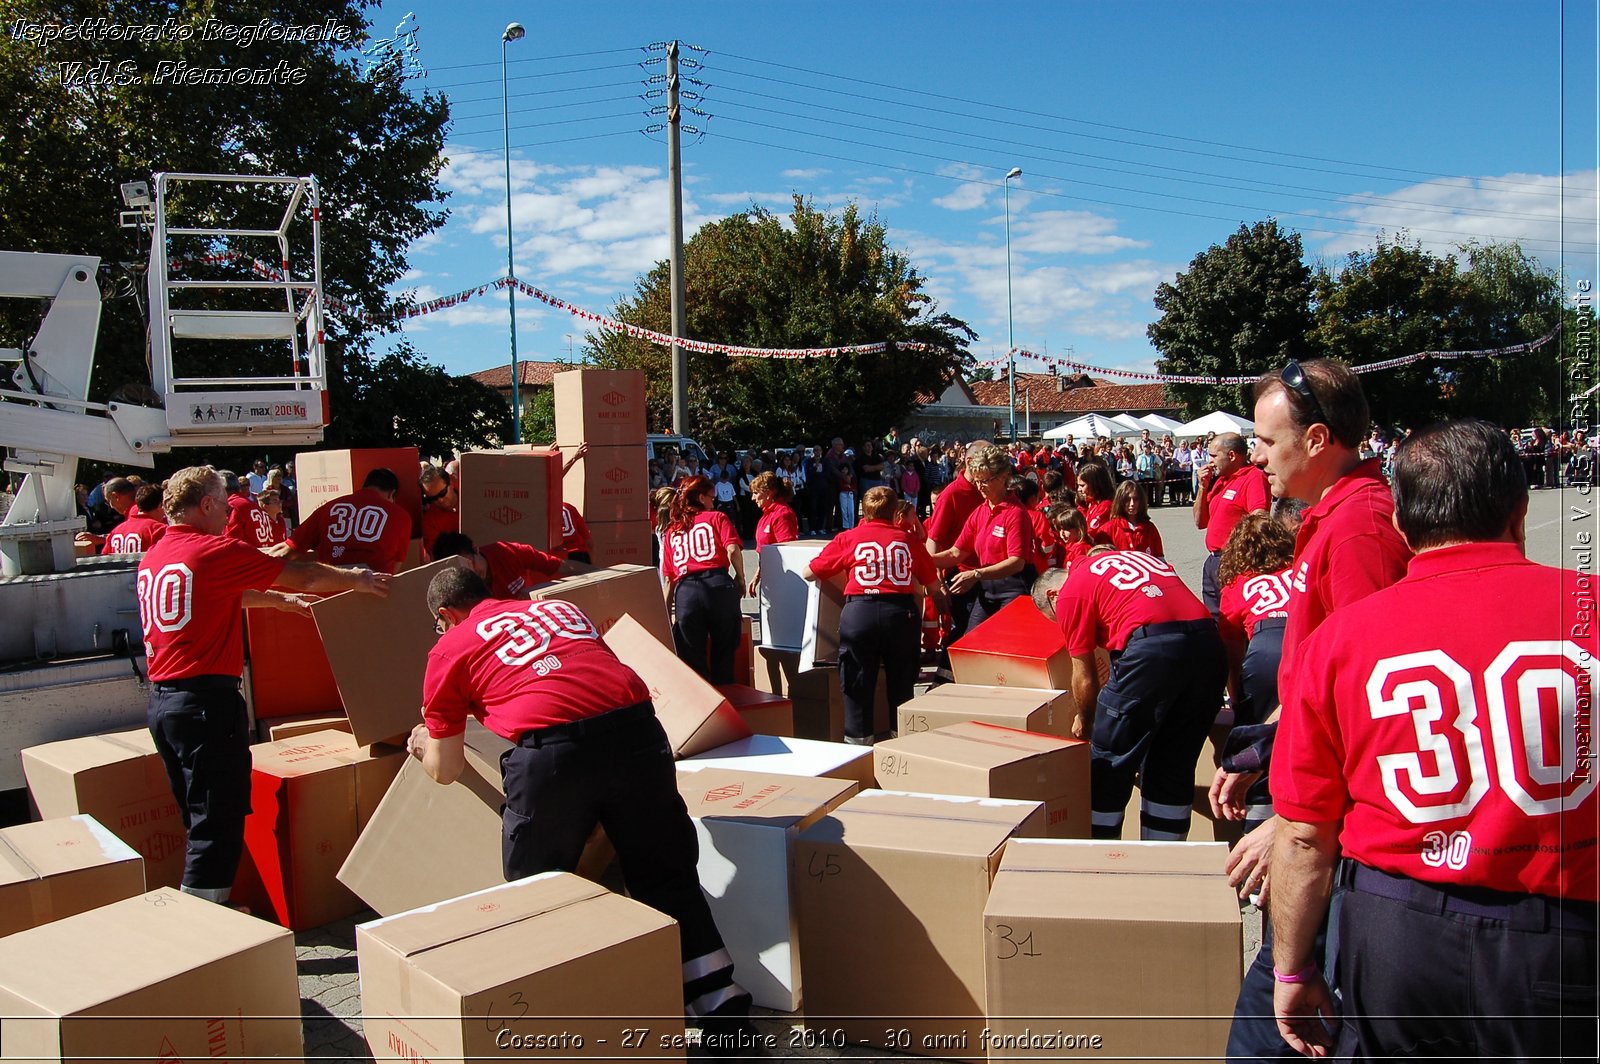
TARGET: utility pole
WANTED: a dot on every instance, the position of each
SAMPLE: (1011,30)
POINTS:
(680,359)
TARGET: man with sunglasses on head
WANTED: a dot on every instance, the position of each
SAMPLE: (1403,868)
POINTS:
(587,750)
(1310,419)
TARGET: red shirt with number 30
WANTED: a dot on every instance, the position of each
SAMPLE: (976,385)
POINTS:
(879,558)
(190,588)
(702,546)
(362,528)
(517,665)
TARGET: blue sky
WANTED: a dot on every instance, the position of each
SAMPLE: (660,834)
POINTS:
(1145,131)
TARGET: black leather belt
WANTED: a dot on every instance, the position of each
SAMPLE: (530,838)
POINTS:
(899,599)
(589,727)
(199,683)
(1522,911)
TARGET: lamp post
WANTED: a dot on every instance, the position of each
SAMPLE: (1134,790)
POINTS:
(1010,327)
(514,32)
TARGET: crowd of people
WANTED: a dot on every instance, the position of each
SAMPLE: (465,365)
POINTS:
(1341,758)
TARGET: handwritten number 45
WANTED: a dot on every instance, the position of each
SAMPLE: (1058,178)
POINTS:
(820,866)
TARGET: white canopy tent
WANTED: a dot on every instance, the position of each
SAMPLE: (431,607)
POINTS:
(1091,426)
(1217,421)
(1164,425)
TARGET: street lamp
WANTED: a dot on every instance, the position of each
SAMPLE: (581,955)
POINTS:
(514,32)
(1010,327)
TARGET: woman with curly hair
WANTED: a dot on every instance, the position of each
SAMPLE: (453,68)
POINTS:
(997,540)
(700,544)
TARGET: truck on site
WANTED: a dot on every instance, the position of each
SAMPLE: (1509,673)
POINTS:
(235,316)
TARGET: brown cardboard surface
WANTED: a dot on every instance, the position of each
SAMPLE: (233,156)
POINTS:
(1163,909)
(891,889)
(511,495)
(606,594)
(309,798)
(695,715)
(551,956)
(321,476)
(378,648)
(610,484)
(160,976)
(461,822)
(53,869)
(621,543)
(985,760)
(816,694)
(1042,710)
(600,407)
(765,713)
(289,672)
(305,724)
(746,822)
(786,756)
(118,779)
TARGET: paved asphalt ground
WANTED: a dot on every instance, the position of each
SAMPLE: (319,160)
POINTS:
(331,1001)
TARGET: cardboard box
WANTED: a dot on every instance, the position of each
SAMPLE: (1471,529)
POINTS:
(309,798)
(551,957)
(462,825)
(378,649)
(747,822)
(891,894)
(511,495)
(622,543)
(120,780)
(1018,647)
(1047,712)
(321,476)
(744,659)
(784,594)
(58,868)
(1161,911)
(1203,826)
(695,715)
(766,714)
(819,634)
(610,484)
(784,756)
(289,727)
(601,407)
(162,976)
(606,594)
(289,671)
(816,694)
(987,761)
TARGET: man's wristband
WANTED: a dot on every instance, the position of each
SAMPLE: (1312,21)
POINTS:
(1304,975)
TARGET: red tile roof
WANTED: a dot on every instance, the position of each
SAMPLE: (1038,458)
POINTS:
(532,374)
(1042,387)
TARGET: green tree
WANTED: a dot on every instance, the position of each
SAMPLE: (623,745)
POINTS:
(373,145)
(809,280)
(410,402)
(1510,300)
(539,415)
(1241,308)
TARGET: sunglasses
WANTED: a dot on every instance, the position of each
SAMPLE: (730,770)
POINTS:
(1294,378)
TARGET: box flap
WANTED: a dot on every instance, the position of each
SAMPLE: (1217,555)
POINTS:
(695,715)
(65,844)
(1017,630)
(607,595)
(936,823)
(747,699)
(1116,857)
(432,926)
(134,943)
(761,797)
(780,754)
(378,649)
(1032,697)
(304,754)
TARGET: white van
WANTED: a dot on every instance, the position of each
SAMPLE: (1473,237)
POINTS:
(659,443)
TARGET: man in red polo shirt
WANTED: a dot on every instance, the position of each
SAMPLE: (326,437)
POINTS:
(1168,669)
(510,569)
(366,527)
(1449,761)
(191,585)
(1310,422)
(142,528)
(950,512)
(1230,487)
(247,521)
(589,750)
(441,505)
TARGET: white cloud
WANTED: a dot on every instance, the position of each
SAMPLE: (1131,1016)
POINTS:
(804,175)
(1067,232)
(1447,212)
(967,196)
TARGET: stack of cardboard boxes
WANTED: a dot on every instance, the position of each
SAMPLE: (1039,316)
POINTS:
(610,484)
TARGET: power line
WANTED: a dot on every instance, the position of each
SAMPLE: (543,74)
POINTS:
(1078,121)
(496,151)
(542,92)
(531,77)
(551,107)
(539,58)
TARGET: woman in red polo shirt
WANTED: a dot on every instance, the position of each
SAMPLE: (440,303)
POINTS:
(700,545)
(879,625)
(1094,487)
(778,523)
(997,540)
